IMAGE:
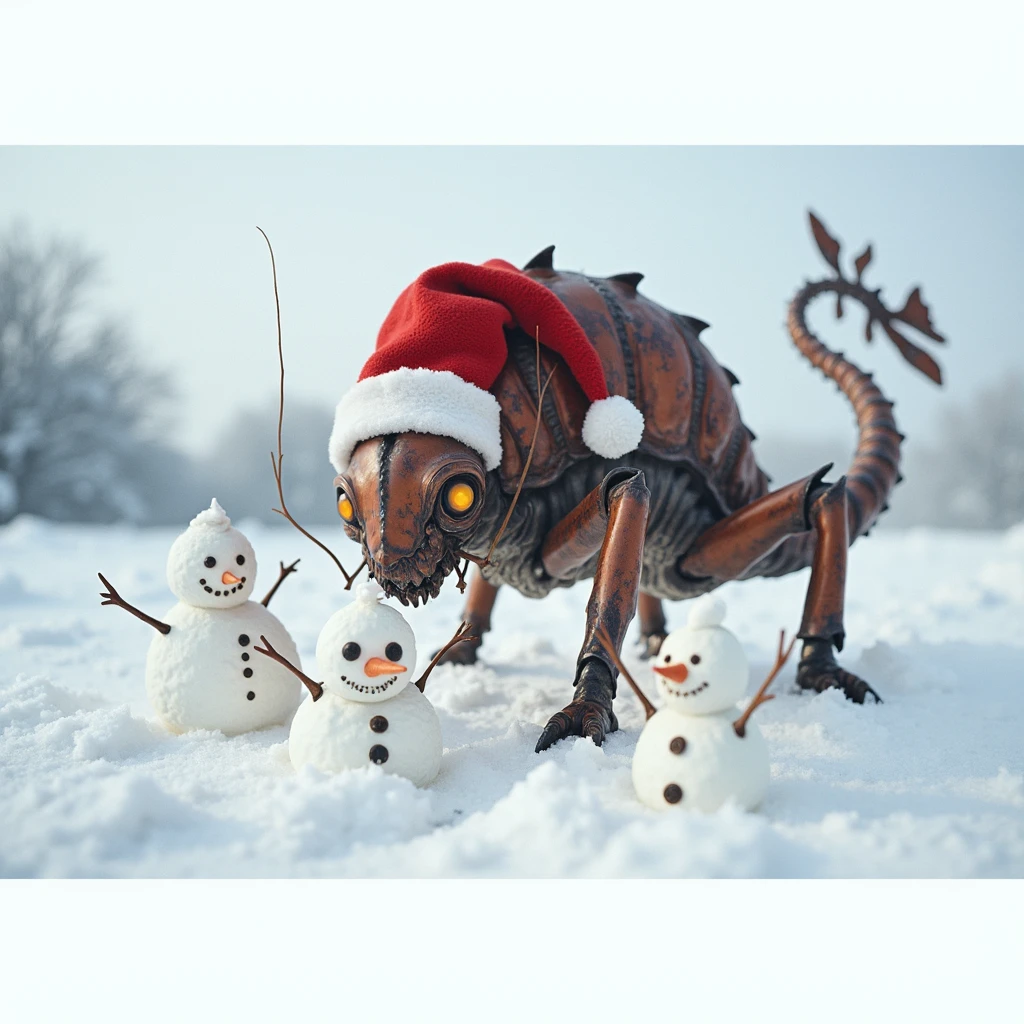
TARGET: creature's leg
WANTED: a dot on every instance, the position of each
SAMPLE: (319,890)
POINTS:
(653,626)
(733,545)
(740,543)
(822,624)
(477,613)
(623,501)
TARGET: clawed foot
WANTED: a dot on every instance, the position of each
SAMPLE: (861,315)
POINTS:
(649,644)
(580,718)
(590,713)
(818,671)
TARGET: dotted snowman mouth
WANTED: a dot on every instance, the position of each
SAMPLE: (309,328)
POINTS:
(678,692)
(224,592)
(364,688)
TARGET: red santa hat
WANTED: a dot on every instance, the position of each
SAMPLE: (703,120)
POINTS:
(440,350)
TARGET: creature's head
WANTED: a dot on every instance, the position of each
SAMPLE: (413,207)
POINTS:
(211,565)
(411,500)
(367,651)
(428,403)
(701,667)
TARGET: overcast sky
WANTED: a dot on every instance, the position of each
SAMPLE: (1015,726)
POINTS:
(720,233)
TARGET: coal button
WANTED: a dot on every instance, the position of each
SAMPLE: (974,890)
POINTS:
(246,672)
(673,794)
(378,754)
(678,745)
(244,639)
(250,695)
(379,723)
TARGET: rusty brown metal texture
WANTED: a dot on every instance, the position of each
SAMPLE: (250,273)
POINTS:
(576,538)
(616,586)
(734,544)
(653,357)
(823,607)
(721,523)
(651,615)
(395,485)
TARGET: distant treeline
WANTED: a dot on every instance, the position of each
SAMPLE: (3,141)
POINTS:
(83,428)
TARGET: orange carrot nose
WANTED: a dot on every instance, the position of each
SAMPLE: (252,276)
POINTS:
(380,667)
(677,673)
(229,579)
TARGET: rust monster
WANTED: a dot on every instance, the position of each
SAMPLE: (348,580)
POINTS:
(669,518)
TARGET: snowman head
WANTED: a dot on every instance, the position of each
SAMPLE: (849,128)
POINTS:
(701,667)
(211,565)
(367,651)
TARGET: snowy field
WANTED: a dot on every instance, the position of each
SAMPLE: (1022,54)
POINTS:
(930,783)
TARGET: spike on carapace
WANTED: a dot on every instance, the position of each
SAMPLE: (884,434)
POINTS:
(544,260)
(631,280)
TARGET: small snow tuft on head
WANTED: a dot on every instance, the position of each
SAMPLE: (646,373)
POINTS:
(369,592)
(213,517)
(707,612)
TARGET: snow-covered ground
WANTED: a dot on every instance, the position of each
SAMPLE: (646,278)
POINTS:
(930,783)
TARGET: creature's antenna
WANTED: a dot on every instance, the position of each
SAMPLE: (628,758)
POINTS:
(541,392)
(278,461)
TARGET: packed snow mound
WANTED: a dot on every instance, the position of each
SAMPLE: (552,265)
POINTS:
(930,783)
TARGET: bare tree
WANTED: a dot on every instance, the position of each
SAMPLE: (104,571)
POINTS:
(74,404)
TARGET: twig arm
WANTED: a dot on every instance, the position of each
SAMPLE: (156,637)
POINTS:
(762,696)
(286,571)
(462,634)
(314,688)
(607,644)
(111,596)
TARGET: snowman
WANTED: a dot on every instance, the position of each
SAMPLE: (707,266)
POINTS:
(365,712)
(200,673)
(699,751)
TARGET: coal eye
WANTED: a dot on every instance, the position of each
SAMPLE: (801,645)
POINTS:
(393,651)
(667,658)
(351,651)
(694,659)
(240,559)
(459,498)
(345,508)
(210,561)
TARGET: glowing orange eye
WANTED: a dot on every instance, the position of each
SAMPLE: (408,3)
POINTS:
(460,498)
(345,509)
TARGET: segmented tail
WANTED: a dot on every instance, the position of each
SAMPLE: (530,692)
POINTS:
(875,469)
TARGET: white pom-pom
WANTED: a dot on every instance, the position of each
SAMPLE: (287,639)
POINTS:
(214,517)
(369,593)
(612,427)
(707,611)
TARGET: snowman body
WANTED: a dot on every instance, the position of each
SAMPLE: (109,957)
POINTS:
(203,674)
(401,734)
(689,753)
(702,757)
(368,713)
